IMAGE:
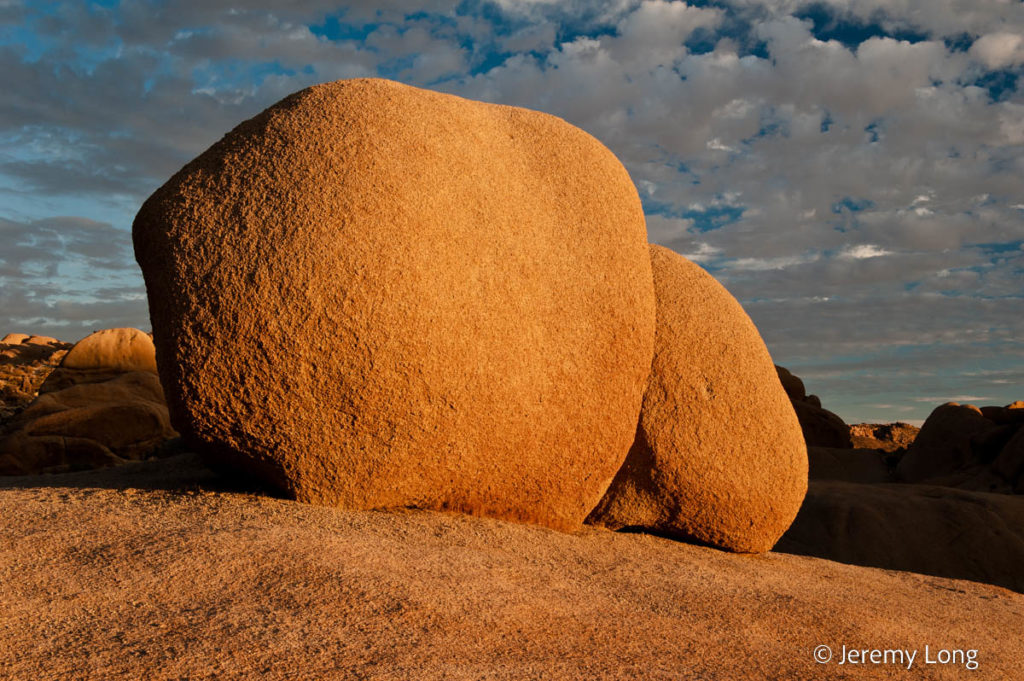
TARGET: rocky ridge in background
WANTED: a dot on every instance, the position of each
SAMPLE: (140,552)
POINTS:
(934,500)
(887,437)
(821,427)
(102,405)
(25,363)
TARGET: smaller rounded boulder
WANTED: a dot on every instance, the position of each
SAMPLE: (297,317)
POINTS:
(943,446)
(114,349)
(719,457)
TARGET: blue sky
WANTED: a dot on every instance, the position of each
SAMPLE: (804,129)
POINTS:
(850,169)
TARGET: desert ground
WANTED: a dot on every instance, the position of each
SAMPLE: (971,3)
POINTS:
(160,570)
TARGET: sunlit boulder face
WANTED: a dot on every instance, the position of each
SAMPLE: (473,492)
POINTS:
(123,349)
(373,296)
(719,456)
(23,369)
(103,355)
(14,339)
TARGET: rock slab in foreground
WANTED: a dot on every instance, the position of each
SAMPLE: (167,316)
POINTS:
(718,456)
(167,585)
(373,295)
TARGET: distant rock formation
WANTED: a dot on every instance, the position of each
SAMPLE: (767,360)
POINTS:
(117,349)
(793,385)
(104,355)
(718,455)
(24,367)
(821,427)
(944,444)
(41,340)
(92,411)
(961,445)
(415,300)
(14,339)
(887,437)
(921,528)
(958,512)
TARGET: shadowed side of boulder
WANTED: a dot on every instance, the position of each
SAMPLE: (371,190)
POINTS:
(944,446)
(821,427)
(851,465)
(89,425)
(920,528)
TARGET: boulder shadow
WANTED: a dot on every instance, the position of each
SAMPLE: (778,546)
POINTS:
(174,469)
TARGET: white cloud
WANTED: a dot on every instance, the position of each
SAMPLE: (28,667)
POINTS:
(716,144)
(962,399)
(863,251)
(654,33)
(704,252)
(999,50)
(766,264)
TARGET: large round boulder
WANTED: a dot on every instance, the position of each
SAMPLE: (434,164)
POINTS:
(372,295)
(718,455)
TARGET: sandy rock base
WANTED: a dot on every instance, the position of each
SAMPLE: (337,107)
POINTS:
(156,570)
